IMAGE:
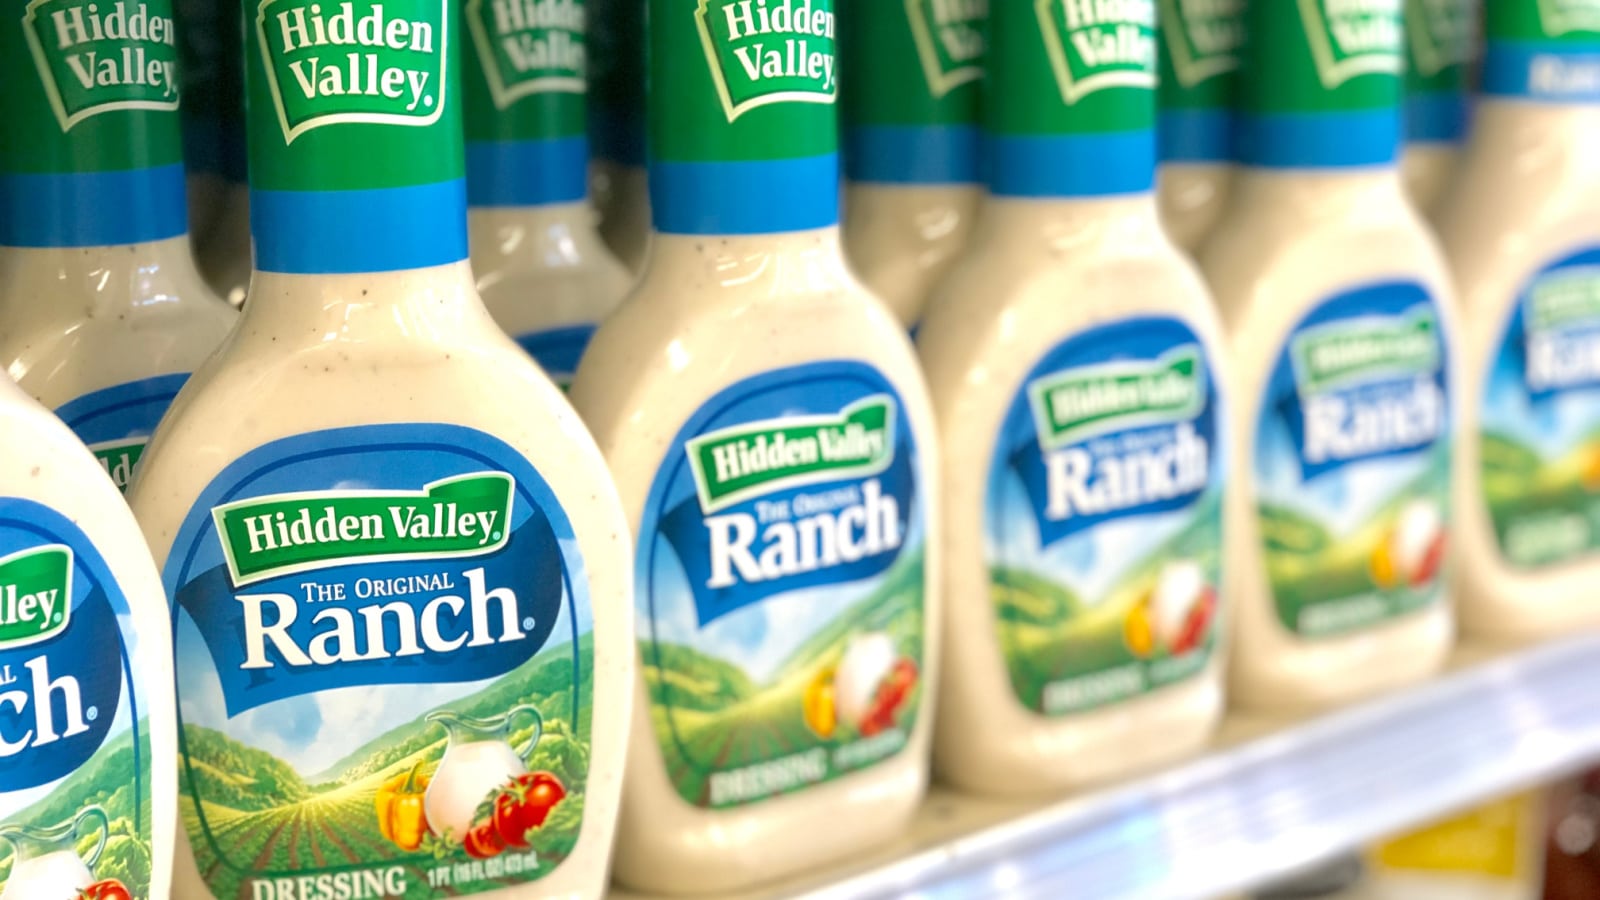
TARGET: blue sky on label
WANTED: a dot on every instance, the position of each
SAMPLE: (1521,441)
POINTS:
(312,732)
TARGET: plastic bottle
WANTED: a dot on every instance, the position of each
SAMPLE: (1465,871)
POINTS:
(1524,245)
(212,74)
(397,570)
(102,315)
(1340,327)
(88,788)
(1072,346)
(911,77)
(1441,41)
(541,268)
(1199,45)
(772,441)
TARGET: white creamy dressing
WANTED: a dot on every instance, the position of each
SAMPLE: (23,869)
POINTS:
(1193,197)
(74,320)
(1528,190)
(622,197)
(46,463)
(1427,170)
(543,267)
(902,239)
(709,312)
(1268,263)
(315,352)
(988,325)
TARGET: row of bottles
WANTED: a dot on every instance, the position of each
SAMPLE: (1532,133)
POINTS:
(416,652)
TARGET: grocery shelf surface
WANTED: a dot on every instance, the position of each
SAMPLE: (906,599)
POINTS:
(1274,796)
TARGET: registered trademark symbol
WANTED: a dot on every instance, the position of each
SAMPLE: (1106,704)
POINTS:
(57,619)
(528,623)
(496,536)
(427,101)
(92,713)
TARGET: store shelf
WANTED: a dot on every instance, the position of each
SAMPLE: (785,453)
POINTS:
(1275,797)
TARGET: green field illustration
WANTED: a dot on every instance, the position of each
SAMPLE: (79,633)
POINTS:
(1050,635)
(713,717)
(106,782)
(1388,565)
(263,818)
(1544,510)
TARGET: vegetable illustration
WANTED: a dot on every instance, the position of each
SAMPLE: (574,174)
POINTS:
(524,804)
(892,694)
(401,817)
(818,706)
(484,842)
(866,662)
(1412,549)
(1176,614)
(478,761)
(109,889)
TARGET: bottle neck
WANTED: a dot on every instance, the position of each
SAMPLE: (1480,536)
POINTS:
(1321,85)
(616,52)
(743,133)
(1069,102)
(96,165)
(1199,50)
(1442,40)
(359,169)
(525,118)
(1537,53)
(911,112)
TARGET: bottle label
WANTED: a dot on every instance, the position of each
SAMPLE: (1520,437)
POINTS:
(525,89)
(1538,453)
(93,61)
(1326,85)
(743,133)
(1199,48)
(1074,88)
(1352,462)
(912,115)
(1103,519)
(90,153)
(356,157)
(385,667)
(1544,50)
(780,585)
(74,740)
(558,350)
(116,422)
(759,54)
(1442,36)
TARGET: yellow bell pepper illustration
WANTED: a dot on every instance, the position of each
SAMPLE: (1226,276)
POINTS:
(401,818)
(819,707)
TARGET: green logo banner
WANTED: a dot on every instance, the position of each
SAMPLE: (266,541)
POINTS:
(98,57)
(1332,356)
(264,537)
(949,39)
(735,464)
(762,53)
(353,62)
(1353,37)
(1202,38)
(35,595)
(528,47)
(1094,46)
(1078,403)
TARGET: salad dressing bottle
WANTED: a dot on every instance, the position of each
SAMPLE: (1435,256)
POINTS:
(911,75)
(1199,46)
(1524,245)
(214,142)
(616,127)
(88,788)
(102,314)
(1441,41)
(541,268)
(397,569)
(1341,327)
(771,438)
(1081,635)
